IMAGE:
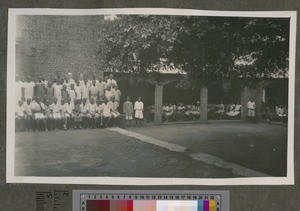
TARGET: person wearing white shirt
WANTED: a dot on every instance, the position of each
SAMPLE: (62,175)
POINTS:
(251,110)
(106,113)
(101,88)
(113,105)
(81,79)
(85,91)
(39,114)
(67,113)
(56,110)
(84,107)
(28,88)
(78,90)
(57,87)
(118,95)
(93,91)
(28,114)
(72,93)
(108,93)
(105,81)
(111,80)
(139,107)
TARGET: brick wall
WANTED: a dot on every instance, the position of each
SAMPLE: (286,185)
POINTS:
(50,44)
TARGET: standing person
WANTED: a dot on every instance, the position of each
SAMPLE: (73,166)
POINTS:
(81,79)
(111,81)
(251,110)
(19,85)
(57,87)
(78,90)
(108,93)
(118,95)
(69,80)
(39,90)
(28,88)
(49,93)
(93,91)
(64,94)
(139,107)
(128,111)
(101,88)
(85,91)
(105,81)
(72,93)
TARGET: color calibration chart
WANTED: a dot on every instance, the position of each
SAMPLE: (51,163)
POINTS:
(90,200)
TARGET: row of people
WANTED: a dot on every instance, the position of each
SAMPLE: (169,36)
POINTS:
(81,88)
(187,112)
(36,115)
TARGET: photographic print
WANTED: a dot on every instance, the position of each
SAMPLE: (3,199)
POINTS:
(150,97)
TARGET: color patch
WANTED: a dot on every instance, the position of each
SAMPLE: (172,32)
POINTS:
(174,205)
(97,205)
(148,205)
(121,205)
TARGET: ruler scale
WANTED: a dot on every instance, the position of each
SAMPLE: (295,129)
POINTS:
(89,200)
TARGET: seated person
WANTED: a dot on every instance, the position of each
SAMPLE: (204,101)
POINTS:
(282,113)
(106,113)
(195,110)
(56,110)
(188,112)
(67,113)
(113,105)
(220,109)
(92,113)
(168,112)
(236,111)
(98,114)
(77,114)
(180,111)
(39,114)
(28,106)
(48,115)
(85,112)
(20,116)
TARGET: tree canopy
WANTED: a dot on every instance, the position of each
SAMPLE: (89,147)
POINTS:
(206,48)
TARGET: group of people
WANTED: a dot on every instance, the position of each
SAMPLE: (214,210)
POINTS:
(72,103)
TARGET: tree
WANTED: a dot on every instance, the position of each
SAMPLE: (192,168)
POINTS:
(208,49)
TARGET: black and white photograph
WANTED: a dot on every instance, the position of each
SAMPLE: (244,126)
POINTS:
(150,97)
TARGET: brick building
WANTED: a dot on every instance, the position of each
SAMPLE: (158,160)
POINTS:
(50,44)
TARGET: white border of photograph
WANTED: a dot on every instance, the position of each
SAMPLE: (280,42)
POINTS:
(10,141)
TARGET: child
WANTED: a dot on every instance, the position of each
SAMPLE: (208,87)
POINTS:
(128,111)
(139,107)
